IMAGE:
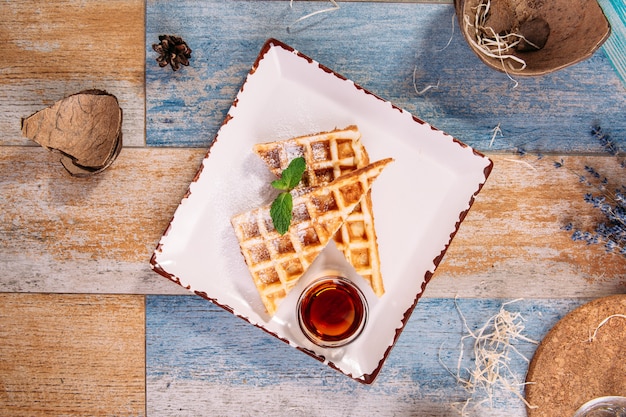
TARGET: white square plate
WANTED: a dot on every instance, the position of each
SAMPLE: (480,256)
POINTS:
(419,201)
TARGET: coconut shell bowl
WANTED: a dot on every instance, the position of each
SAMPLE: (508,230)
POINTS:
(532,37)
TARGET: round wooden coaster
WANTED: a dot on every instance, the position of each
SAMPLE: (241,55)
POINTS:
(578,361)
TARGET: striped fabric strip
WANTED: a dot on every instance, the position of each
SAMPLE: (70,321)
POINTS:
(615,45)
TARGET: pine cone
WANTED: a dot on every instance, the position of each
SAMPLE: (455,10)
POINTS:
(172,50)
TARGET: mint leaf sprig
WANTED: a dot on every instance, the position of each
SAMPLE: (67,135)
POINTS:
(282,207)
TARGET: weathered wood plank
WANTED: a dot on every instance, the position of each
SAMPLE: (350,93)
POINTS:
(512,244)
(93,234)
(391,52)
(72,355)
(201,358)
(54,49)
(62,234)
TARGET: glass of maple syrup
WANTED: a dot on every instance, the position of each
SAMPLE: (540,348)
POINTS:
(332,311)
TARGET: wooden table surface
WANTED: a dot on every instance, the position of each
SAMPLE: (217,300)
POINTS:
(88,329)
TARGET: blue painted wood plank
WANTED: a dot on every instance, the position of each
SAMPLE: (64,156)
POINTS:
(384,47)
(199,357)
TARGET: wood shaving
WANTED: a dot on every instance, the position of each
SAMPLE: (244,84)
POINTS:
(492,348)
(425,89)
(334,7)
(602,323)
(495,132)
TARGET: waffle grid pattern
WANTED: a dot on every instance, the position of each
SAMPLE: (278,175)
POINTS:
(276,261)
(329,155)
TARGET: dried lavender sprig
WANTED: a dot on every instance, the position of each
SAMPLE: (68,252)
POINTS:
(612,232)
(605,140)
(611,244)
(611,204)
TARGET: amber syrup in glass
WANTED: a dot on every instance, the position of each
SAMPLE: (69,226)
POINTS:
(332,312)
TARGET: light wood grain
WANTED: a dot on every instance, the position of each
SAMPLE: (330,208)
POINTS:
(54,49)
(72,355)
(62,234)
(512,244)
(88,235)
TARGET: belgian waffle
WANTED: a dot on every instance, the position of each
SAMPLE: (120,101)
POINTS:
(276,262)
(329,155)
